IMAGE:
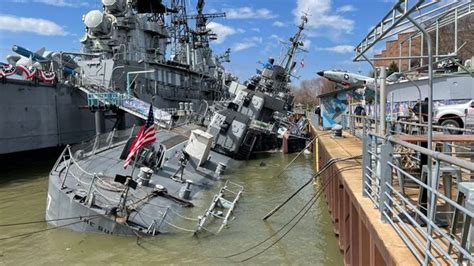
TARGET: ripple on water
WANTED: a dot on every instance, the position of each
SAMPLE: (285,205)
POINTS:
(23,198)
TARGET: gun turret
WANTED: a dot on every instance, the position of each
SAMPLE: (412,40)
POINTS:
(114,6)
(97,22)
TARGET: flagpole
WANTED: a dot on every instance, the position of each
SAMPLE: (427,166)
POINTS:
(135,161)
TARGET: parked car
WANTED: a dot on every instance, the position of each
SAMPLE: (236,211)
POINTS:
(452,115)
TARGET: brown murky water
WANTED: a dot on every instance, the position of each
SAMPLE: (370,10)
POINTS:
(23,188)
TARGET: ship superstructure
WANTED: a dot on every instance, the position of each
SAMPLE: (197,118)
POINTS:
(171,60)
(132,51)
(258,116)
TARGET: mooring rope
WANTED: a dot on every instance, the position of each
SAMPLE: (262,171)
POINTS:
(324,168)
(47,221)
(301,152)
(44,230)
(305,209)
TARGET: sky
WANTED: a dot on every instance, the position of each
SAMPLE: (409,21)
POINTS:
(254,30)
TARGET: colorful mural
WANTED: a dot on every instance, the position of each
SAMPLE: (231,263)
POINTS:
(335,105)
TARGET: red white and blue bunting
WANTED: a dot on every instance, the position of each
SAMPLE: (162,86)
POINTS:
(29,73)
(7,70)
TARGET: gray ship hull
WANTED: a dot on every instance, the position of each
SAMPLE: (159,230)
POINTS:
(86,202)
(42,116)
(86,219)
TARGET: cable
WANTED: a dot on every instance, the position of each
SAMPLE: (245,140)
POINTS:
(324,168)
(41,231)
(301,152)
(297,221)
(47,221)
(317,194)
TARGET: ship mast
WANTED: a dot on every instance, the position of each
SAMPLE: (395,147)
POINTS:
(287,60)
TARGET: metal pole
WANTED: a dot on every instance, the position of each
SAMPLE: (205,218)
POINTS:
(400,55)
(383,99)
(375,88)
(409,54)
(419,98)
(437,40)
(430,82)
(430,104)
(456,30)
(392,106)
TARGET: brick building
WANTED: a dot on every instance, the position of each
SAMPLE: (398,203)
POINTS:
(446,44)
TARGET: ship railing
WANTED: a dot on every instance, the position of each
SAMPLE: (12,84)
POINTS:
(433,216)
(97,99)
(73,155)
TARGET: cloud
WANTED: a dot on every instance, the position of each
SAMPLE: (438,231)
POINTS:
(58,3)
(255,29)
(222,31)
(279,24)
(247,43)
(249,13)
(33,25)
(340,49)
(321,17)
(306,44)
(346,8)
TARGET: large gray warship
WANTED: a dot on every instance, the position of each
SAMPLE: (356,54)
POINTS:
(89,189)
(131,50)
(260,116)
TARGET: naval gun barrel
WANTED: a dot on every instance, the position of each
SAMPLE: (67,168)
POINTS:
(27,53)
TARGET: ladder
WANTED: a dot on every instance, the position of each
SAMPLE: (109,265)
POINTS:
(222,206)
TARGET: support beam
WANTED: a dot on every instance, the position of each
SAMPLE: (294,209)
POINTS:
(99,122)
(383,99)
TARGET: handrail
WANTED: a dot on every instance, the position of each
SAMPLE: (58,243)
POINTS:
(436,155)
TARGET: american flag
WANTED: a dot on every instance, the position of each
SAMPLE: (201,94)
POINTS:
(145,136)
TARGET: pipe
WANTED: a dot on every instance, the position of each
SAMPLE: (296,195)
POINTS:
(383,99)
(419,96)
(375,89)
(427,37)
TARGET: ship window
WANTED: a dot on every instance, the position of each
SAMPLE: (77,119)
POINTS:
(178,80)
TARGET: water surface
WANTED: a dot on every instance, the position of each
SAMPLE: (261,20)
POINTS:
(23,189)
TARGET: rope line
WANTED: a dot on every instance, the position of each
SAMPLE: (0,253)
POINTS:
(301,152)
(318,192)
(47,221)
(324,168)
(41,231)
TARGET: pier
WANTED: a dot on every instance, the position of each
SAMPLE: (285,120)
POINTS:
(363,238)
(384,209)
(399,189)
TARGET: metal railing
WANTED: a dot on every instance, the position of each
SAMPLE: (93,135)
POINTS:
(425,216)
(97,99)
(359,126)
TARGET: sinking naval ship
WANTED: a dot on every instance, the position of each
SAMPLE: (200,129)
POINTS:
(175,168)
(136,48)
(258,118)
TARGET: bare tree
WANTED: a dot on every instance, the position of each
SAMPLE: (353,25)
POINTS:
(309,90)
